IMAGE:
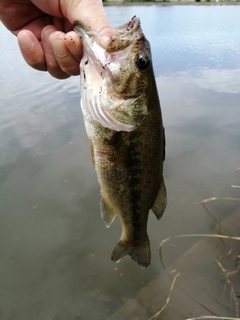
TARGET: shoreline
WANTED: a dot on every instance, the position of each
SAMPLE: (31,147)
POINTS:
(171,3)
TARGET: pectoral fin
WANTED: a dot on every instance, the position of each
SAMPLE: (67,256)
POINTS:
(107,213)
(160,201)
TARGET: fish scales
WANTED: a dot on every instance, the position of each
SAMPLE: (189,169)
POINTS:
(123,121)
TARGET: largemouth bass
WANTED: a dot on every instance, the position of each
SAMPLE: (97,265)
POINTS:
(122,116)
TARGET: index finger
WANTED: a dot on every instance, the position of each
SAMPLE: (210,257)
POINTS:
(89,12)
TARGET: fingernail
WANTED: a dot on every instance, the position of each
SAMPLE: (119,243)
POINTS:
(59,48)
(47,43)
(60,52)
(25,41)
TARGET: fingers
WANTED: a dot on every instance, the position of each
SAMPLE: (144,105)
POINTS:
(67,50)
(74,44)
(52,65)
(31,49)
(58,53)
(89,12)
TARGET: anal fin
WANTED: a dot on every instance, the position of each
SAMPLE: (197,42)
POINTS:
(107,213)
(160,201)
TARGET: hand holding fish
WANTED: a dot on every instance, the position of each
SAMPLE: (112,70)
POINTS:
(119,100)
(43,29)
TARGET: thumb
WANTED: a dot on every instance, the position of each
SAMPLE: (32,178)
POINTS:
(89,12)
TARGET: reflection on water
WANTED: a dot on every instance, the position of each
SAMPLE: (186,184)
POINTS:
(55,250)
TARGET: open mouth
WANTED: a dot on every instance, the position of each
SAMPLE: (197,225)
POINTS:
(101,65)
(124,35)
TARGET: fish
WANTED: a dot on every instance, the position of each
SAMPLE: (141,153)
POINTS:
(123,121)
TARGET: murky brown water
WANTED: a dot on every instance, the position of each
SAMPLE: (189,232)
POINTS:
(55,250)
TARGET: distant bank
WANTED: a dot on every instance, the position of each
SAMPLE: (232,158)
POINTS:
(175,2)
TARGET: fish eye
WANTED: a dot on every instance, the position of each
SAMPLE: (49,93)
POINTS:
(143,61)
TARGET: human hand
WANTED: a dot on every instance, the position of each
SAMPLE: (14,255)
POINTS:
(43,29)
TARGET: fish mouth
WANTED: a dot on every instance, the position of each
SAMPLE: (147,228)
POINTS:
(101,61)
(124,35)
(104,51)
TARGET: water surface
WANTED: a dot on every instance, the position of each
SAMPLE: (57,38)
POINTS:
(55,250)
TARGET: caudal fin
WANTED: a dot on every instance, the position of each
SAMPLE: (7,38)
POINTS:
(139,253)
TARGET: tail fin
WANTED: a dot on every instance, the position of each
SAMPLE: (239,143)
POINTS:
(139,253)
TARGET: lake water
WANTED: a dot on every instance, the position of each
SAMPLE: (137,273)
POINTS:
(55,250)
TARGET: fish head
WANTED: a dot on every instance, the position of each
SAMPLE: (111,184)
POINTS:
(116,74)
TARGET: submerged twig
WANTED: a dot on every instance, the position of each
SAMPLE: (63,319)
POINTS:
(205,235)
(227,274)
(167,300)
(220,236)
(216,199)
(180,288)
(220,198)
(208,211)
(196,235)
